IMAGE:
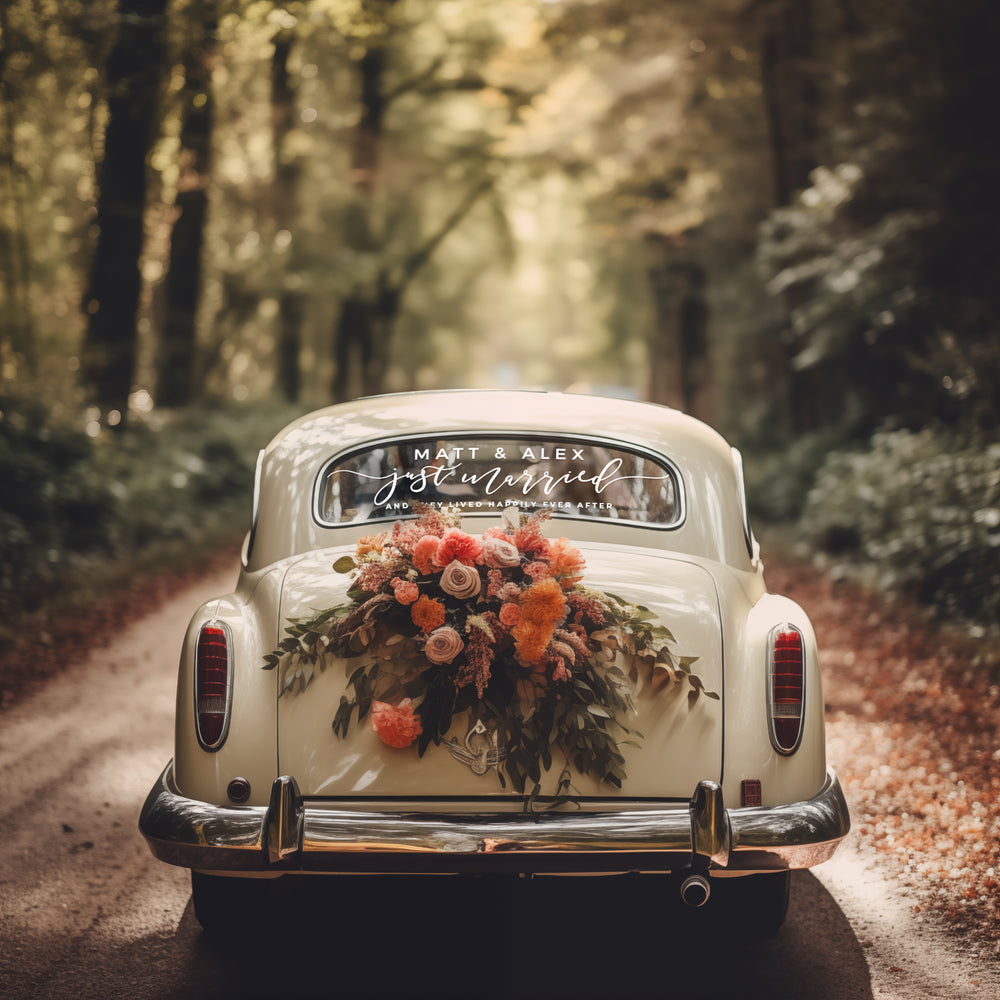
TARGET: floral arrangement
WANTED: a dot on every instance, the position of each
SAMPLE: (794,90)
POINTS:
(500,626)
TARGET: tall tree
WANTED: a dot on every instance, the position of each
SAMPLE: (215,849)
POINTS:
(16,341)
(287,180)
(789,74)
(383,229)
(134,71)
(175,375)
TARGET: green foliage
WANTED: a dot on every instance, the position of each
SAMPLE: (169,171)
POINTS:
(780,475)
(856,318)
(922,511)
(49,503)
(75,506)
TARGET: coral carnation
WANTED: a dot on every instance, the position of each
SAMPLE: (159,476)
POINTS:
(538,570)
(566,563)
(529,538)
(456,544)
(425,553)
(395,725)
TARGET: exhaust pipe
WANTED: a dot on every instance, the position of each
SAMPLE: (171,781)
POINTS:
(695,890)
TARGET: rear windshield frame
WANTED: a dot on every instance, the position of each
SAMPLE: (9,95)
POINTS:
(668,465)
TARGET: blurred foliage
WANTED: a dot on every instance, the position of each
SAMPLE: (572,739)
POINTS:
(77,510)
(917,512)
(781,216)
(778,479)
(883,258)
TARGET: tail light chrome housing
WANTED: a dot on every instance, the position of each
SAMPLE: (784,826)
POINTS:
(213,684)
(786,687)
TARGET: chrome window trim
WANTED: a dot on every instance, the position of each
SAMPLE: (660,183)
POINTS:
(741,489)
(662,460)
(255,508)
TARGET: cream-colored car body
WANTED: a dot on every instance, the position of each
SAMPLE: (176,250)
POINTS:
(314,800)
(702,575)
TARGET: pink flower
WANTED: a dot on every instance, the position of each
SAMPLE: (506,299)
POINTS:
(374,576)
(406,591)
(538,570)
(499,553)
(443,645)
(495,580)
(395,725)
(479,653)
(405,535)
(460,581)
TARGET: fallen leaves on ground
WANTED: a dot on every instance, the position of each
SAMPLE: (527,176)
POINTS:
(913,712)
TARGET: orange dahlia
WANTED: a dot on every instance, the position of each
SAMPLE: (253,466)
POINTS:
(427,614)
(543,606)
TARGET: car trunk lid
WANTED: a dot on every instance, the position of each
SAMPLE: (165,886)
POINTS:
(680,743)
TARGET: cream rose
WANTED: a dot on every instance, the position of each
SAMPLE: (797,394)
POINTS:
(460,581)
(498,553)
(443,645)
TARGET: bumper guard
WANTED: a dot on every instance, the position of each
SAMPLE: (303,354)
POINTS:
(291,834)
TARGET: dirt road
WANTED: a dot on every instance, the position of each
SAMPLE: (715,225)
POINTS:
(86,911)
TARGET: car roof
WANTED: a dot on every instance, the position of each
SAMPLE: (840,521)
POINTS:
(374,418)
(293,459)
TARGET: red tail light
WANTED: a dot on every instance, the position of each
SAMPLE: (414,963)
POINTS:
(787,684)
(212,685)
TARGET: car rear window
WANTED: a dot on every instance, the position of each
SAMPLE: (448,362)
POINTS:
(484,475)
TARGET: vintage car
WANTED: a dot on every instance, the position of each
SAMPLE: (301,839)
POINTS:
(498,632)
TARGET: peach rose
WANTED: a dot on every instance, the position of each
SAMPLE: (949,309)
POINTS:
(510,614)
(460,581)
(498,553)
(443,645)
(405,590)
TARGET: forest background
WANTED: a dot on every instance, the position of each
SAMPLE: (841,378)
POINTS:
(779,215)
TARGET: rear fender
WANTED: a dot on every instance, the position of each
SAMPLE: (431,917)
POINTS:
(748,751)
(250,749)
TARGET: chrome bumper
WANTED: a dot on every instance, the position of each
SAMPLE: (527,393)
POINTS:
(291,835)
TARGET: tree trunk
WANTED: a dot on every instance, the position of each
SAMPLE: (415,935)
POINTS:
(134,70)
(792,103)
(791,94)
(352,348)
(16,322)
(175,383)
(287,176)
(354,342)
